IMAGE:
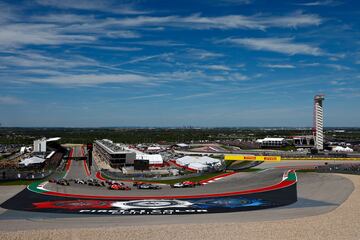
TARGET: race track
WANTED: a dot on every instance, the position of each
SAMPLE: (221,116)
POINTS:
(317,194)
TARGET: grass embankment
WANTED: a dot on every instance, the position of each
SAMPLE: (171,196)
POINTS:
(251,170)
(17,182)
(305,170)
(27,182)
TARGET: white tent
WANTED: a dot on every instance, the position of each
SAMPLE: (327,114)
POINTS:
(32,160)
(342,149)
(198,163)
(153,158)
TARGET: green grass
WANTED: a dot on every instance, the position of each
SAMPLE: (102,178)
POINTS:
(251,170)
(27,182)
(16,182)
(306,170)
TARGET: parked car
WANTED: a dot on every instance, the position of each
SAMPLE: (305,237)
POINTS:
(52,180)
(148,186)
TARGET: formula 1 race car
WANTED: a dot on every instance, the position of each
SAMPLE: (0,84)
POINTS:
(118,187)
(135,184)
(63,182)
(185,184)
(148,186)
(79,181)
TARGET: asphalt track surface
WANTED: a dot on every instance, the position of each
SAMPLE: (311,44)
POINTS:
(236,182)
(317,194)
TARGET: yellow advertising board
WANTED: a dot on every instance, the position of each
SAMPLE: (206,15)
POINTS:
(252,158)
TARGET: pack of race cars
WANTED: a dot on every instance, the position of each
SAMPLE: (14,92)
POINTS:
(114,185)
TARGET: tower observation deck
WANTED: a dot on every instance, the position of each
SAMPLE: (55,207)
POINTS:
(318,125)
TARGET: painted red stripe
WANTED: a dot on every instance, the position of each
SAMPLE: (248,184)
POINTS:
(279,185)
(83,151)
(98,176)
(68,163)
(218,176)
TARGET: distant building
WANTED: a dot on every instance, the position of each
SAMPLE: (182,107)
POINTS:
(272,142)
(304,141)
(40,145)
(114,154)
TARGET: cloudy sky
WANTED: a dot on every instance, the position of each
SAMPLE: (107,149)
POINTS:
(178,63)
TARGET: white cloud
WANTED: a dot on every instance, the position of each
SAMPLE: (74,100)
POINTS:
(123,34)
(68,28)
(196,95)
(196,21)
(92,5)
(121,49)
(163,56)
(13,35)
(39,60)
(234,2)
(159,43)
(337,67)
(150,96)
(296,19)
(279,45)
(9,100)
(237,77)
(279,66)
(217,67)
(90,79)
(201,54)
(320,3)
(64,18)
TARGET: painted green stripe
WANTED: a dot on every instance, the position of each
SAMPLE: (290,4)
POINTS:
(291,176)
(34,187)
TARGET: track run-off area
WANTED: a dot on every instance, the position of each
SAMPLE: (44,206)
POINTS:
(277,190)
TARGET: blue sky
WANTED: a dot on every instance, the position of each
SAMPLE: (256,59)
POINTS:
(178,63)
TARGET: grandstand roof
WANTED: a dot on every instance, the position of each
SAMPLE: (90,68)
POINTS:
(53,139)
(32,160)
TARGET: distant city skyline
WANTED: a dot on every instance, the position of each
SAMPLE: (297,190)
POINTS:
(226,63)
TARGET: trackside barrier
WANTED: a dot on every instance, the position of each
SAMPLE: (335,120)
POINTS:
(321,158)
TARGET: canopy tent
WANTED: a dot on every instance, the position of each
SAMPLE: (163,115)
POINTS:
(198,163)
(32,160)
(153,158)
